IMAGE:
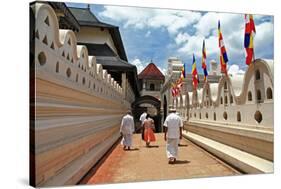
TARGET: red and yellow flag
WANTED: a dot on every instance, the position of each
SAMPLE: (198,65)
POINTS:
(195,77)
(223,54)
(250,32)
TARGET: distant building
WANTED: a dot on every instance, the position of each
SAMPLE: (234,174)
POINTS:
(151,80)
(105,43)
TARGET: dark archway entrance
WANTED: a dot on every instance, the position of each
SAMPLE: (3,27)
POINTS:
(152,106)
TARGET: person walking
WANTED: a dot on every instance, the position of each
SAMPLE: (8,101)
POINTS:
(126,130)
(149,129)
(172,134)
(142,118)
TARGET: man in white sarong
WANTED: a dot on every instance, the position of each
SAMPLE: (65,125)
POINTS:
(142,118)
(173,133)
(127,129)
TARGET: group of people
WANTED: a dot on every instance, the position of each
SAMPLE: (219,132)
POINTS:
(172,132)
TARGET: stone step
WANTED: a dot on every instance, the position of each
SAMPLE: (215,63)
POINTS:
(241,160)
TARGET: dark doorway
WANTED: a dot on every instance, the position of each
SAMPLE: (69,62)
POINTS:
(138,109)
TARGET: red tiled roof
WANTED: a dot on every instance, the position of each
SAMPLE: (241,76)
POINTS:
(151,72)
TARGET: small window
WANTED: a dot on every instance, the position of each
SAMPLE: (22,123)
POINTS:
(269,93)
(258,75)
(225,85)
(224,115)
(258,95)
(68,72)
(258,116)
(206,115)
(215,116)
(238,116)
(221,101)
(200,115)
(194,114)
(76,77)
(57,67)
(249,96)
(152,87)
(225,100)
(231,99)
(42,58)
(83,80)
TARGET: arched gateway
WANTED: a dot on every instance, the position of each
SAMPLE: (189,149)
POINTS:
(152,106)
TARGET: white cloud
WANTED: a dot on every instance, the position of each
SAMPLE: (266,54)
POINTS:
(163,70)
(235,70)
(264,38)
(208,23)
(194,45)
(182,38)
(139,64)
(232,26)
(139,18)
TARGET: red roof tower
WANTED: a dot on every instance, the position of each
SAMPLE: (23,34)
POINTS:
(151,72)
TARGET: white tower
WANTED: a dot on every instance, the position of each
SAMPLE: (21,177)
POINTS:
(174,67)
(214,68)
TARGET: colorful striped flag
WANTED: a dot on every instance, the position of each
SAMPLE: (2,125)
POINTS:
(195,77)
(204,65)
(175,89)
(250,32)
(223,55)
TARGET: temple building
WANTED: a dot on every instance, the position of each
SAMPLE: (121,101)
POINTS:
(85,85)
(151,80)
(105,43)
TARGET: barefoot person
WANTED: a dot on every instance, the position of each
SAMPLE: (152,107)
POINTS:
(149,129)
(172,134)
(127,129)
(142,118)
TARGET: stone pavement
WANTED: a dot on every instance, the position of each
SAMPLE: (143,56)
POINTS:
(148,164)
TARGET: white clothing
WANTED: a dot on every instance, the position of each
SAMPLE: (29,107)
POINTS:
(173,122)
(172,147)
(127,125)
(127,140)
(143,117)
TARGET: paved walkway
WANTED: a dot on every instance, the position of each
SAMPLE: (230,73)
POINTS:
(148,164)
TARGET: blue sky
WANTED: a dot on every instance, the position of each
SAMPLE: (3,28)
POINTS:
(158,34)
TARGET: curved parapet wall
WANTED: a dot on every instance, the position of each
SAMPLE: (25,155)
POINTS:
(238,100)
(236,111)
(78,105)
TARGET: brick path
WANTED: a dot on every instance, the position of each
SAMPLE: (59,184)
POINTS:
(148,164)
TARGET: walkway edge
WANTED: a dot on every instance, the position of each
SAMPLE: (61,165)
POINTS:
(243,161)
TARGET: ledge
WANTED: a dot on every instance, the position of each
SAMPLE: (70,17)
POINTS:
(243,161)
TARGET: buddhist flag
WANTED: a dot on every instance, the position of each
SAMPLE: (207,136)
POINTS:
(195,78)
(223,55)
(204,65)
(175,89)
(250,32)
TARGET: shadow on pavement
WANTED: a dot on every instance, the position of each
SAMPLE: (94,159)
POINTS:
(153,146)
(181,162)
(133,149)
(182,145)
